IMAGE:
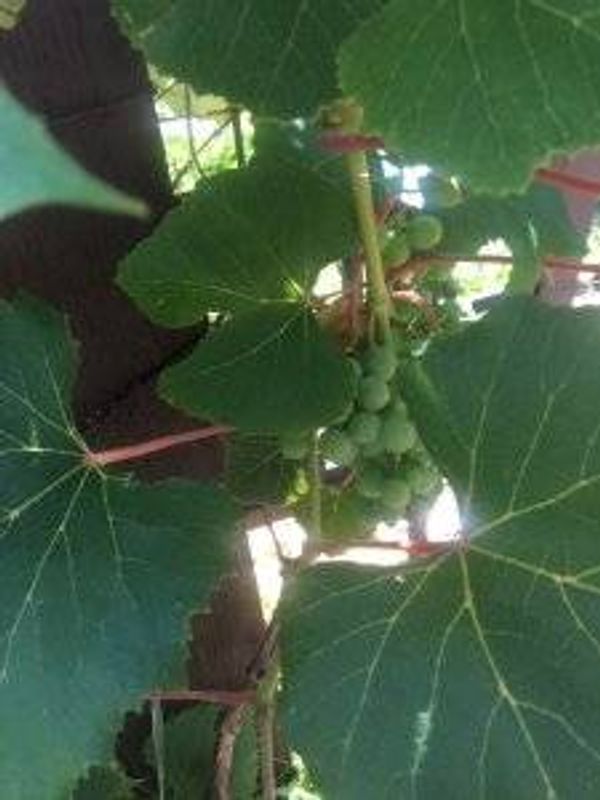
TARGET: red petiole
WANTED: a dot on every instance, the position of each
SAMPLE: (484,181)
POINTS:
(134,452)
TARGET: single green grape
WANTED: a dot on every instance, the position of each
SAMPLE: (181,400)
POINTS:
(399,408)
(338,447)
(440,192)
(425,232)
(370,482)
(295,446)
(395,494)
(364,428)
(373,393)
(374,449)
(398,433)
(396,250)
(381,361)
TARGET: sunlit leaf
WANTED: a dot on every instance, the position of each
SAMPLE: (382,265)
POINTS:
(35,171)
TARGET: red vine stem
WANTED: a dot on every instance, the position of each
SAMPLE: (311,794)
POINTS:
(550,262)
(572,183)
(416,549)
(134,452)
(338,142)
(571,266)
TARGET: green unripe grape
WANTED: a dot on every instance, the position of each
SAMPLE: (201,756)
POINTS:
(364,428)
(399,408)
(294,448)
(398,433)
(381,361)
(375,449)
(396,250)
(440,192)
(373,393)
(338,447)
(425,232)
(369,482)
(395,494)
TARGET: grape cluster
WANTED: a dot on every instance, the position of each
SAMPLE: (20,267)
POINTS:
(386,471)
(405,236)
(377,442)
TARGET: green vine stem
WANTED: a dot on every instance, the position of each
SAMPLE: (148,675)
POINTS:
(316,509)
(350,118)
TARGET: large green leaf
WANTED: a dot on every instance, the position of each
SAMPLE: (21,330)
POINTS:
(473,675)
(97,573)
(487,90)
(138,17)
(246,236)
(35,171)
(268,370)
(256,472)
(271,56)
(533,226)
(104,784)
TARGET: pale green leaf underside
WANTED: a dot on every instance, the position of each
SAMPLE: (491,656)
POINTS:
(97,574)
(35,171)
(276,57)
(487,90)
(10,13)
(474,675)
(269,370)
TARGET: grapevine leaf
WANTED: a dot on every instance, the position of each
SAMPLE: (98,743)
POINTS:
(255,471)
(102,783)
(35,171)
(189,748)
(274,58)
(138,17)
(269,370)
(474,674)
(97,573)
(533,226)
(10,13)
(246,236)
(518,75)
